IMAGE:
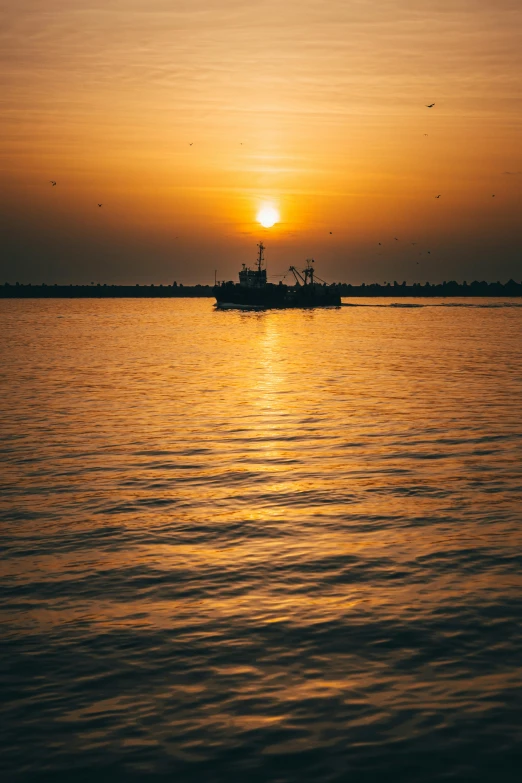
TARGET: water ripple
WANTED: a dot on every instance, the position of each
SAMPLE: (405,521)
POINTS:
(268,546)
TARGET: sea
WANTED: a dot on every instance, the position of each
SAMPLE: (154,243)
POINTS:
(280,546)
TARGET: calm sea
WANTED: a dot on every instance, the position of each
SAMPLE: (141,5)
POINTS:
(281,546)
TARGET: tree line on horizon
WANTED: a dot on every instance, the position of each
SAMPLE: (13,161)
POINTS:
(446,288)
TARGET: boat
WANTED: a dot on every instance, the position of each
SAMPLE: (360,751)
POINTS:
(254,292)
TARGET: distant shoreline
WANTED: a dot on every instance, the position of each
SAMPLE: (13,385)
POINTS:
(445,289)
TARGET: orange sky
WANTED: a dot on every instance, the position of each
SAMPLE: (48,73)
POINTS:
(318,109)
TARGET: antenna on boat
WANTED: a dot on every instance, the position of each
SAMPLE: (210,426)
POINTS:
(260,258)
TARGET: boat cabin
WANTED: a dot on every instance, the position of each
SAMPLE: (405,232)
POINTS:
(254,278)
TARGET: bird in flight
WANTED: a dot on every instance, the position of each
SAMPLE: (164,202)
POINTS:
(425,134)
(330,232)
(379,243)
(396,239)
(430,105)
(438,196)
(493,195)
(53,183)
(191,143)
(100,205)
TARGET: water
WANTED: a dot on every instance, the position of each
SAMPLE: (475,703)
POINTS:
(280,546)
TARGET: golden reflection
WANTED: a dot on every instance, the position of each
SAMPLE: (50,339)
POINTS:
(294,468)
(269,383)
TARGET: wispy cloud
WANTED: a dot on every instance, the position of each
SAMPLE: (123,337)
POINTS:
(320,104)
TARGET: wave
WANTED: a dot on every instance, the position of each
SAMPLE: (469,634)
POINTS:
(408,305)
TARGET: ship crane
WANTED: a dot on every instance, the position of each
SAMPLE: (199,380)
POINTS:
(307,273)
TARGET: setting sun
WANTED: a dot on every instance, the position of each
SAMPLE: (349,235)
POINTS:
(268,216)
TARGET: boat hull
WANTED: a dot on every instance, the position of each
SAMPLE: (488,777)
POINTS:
(229,295)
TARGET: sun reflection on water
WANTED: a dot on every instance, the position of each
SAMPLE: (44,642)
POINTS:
(246,520)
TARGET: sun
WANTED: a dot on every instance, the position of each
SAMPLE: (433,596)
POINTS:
(268,216)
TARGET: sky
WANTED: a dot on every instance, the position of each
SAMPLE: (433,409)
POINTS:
(183,118)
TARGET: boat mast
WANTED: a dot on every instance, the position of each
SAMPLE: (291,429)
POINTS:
(260,258)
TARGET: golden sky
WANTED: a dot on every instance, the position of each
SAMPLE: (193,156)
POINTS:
(184,117)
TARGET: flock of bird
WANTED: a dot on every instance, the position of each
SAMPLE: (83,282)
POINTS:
(412,243)
(428,106)
(53,183)
(428,252)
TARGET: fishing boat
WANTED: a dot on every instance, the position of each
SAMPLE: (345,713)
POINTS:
(254,292)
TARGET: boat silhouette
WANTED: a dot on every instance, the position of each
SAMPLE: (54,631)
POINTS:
(254,292)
